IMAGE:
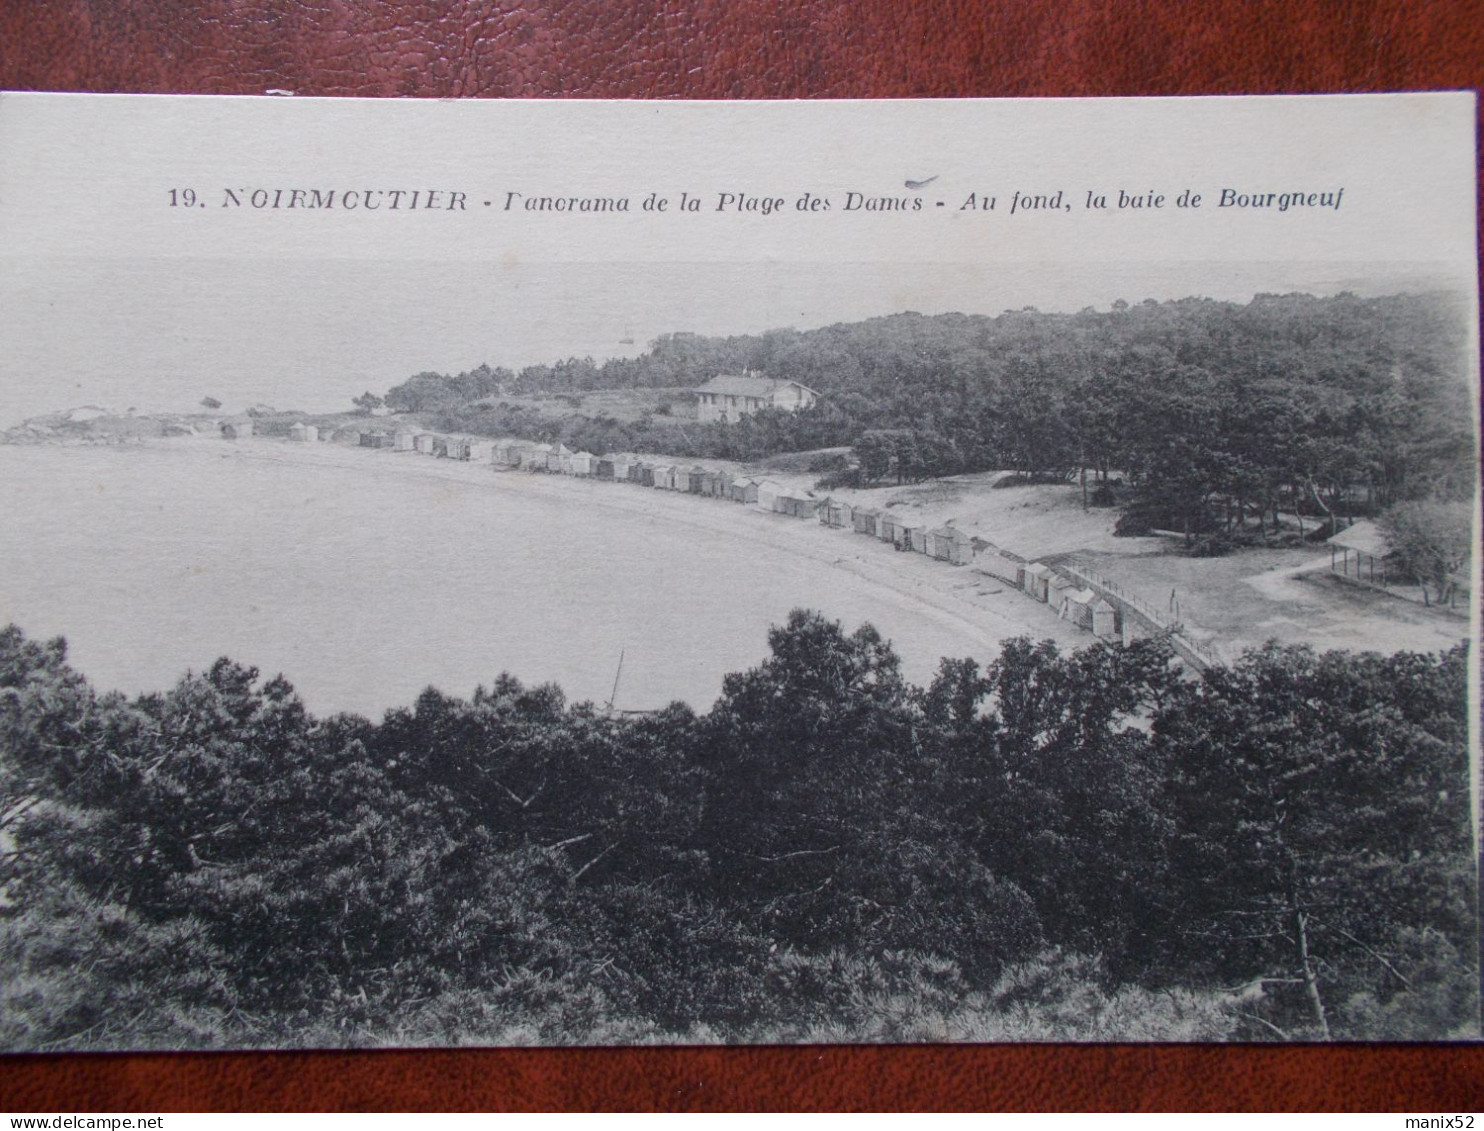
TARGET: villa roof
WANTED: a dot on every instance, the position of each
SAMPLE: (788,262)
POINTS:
(747,385)
(1364,536)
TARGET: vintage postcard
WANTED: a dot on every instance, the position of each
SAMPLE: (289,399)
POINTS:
(489,573)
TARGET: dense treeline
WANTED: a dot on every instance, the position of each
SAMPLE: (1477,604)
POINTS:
(1221,412)
(1086,845)
(753,437)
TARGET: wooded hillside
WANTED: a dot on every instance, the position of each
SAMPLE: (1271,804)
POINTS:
(1218,413)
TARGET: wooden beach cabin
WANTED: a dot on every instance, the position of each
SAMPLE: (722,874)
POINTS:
(995,564)
(584,464)
(952,545)
(302,433)
(481,451)
(835,512)
(915,537)
(1103,618)
(403,441)
(422,443)
(768,494)
(1059,587)
(789,503)
(1075,605)
(864,520)
(799,505)
(1035,580)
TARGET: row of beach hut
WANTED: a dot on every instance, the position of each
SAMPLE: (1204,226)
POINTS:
(428,444)
(695,480)
(1038,581)
(1072,600)
(945,543)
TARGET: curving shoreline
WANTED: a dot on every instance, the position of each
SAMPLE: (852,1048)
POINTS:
(692,565)
(970,602)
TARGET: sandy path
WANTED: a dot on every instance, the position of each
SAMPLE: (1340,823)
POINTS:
(1283,584)
(980,607)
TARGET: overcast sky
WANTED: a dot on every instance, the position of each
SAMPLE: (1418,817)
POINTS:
(160,335)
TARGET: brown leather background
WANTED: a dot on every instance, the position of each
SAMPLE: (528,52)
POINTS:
(748,49)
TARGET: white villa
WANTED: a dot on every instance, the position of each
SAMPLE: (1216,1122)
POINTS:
(731,397)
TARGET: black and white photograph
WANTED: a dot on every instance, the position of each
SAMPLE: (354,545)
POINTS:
(911,597)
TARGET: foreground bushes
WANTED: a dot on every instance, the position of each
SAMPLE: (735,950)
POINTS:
(1084,846)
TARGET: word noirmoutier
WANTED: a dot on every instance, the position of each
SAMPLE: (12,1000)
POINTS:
(349,200)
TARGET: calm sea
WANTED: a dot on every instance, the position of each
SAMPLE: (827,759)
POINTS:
(363,589)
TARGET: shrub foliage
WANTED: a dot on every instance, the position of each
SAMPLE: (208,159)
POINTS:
(1084,845)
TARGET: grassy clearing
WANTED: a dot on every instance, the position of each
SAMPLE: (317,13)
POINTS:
(1289,595)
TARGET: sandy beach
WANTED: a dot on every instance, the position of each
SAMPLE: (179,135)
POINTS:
(978,605)
(366,574)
